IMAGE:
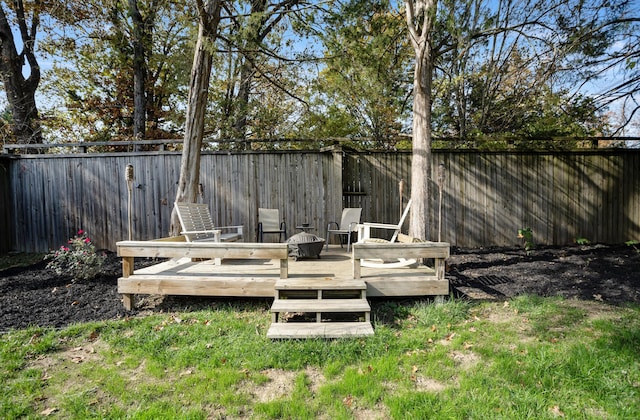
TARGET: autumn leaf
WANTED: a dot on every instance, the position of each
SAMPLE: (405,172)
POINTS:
(555,410)
(49,411)
(78,359)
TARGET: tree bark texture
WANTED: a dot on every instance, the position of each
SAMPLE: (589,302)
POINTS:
(188,183)
(420,17)
(139,71)
(20,91)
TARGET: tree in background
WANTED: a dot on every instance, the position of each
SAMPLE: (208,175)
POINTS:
(120,70)
(610,59)
(255,85)
(500,69)
(365,82)
(23,18)
(547,40)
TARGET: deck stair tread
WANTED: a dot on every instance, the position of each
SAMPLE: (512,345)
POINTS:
(320,305)
(320,284)
(323,305)
(294,330)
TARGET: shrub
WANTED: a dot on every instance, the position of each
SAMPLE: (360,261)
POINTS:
(78,259)
(527,237)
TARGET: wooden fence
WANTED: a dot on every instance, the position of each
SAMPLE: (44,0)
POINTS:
(487,196)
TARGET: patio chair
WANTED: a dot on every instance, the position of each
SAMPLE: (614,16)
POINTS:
(348,225)
(269,222)
(364,235)
(197,225)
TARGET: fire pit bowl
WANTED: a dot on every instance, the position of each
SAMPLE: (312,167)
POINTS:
(303,244)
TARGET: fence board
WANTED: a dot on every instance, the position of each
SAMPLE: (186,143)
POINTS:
(487,196)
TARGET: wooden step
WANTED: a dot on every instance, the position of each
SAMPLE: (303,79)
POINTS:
(320,284)
(320,330)
(320,305)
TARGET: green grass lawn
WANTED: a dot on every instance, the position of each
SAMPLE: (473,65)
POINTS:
(525,358)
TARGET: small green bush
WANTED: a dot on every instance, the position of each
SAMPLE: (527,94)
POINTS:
(526,235)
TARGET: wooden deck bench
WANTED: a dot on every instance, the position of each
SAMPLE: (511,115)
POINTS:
(402,281)
(174,277)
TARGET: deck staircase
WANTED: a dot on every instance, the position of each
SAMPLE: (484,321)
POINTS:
(327,308)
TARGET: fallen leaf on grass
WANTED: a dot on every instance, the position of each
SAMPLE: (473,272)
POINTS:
(555,410)
(598,297)
(48,411)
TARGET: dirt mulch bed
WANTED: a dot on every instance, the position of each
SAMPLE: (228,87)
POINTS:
(34,295)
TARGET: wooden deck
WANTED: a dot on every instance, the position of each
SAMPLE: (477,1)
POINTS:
(335,283)
(257,277)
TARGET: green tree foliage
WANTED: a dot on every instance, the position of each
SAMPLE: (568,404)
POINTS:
(258,78)
(513,71)
(362,92)
(93,72)
(323,70)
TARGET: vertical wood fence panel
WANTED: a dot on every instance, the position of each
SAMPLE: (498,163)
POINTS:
(487,196)
(6,226)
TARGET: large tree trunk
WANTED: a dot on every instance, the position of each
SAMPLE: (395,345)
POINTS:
(139,71)
(419,224)
(20,91)
(420,15)
(196,107)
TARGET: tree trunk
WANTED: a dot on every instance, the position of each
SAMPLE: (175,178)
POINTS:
(20,91)
(139,71)
(242,100)
(189,180)
(419,224)
(420,16)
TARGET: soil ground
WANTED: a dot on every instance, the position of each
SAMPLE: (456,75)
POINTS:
(34,295)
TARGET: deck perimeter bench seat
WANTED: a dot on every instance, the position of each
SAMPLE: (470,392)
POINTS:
(220,280)
(402,281)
